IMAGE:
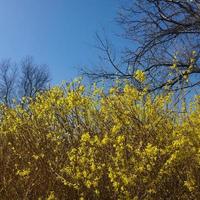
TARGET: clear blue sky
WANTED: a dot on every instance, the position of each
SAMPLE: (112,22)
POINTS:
(59,33)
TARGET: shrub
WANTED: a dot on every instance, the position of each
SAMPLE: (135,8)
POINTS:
(73,144)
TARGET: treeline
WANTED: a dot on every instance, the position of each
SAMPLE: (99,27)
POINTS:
(23,79)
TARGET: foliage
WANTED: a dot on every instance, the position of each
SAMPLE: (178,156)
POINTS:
(73,144)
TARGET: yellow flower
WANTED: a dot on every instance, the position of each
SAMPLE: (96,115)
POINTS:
(140,75)
(88,184)
(116,128)
(120,139)
(173,66)
(105,139)
(24,172)
(85,137)
(35,157)
(51,196)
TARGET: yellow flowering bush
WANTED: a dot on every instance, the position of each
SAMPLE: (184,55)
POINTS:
(71,143)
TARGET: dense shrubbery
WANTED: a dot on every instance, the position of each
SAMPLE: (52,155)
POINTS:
(69,144)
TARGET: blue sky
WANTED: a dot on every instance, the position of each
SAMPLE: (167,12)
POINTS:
(59,33)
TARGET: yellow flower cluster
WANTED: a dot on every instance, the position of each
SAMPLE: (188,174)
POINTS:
(70,143)
(140,75)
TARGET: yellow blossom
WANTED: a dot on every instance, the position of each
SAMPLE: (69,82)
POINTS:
(140,75)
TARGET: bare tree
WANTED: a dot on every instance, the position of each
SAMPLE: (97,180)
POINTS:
(7,81)
(111,66)
(15,83)
(165,40)
(34,78)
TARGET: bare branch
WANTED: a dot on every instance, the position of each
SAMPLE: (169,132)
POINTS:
(34,78)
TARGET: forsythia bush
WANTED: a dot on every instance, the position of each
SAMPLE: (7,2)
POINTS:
(73,144)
